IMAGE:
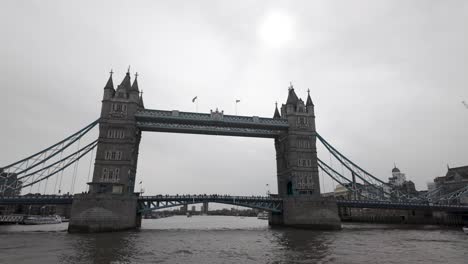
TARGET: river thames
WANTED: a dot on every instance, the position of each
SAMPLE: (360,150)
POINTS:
(226,239)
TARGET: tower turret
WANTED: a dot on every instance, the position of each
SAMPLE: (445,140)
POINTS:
(134,93)
(124,87)
(277,114)
(140,102)
(292,100)
(109,90)
(309,103)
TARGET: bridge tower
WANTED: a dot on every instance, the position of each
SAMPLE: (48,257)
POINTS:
(297,170)
(111,203)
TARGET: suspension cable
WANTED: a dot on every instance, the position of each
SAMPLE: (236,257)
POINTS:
(85,150)
(75,172)
(82,131)
(90,164)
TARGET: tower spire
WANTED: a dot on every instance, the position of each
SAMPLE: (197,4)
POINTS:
(309,100)
(292,97)
(140,101)
(110,83)
(277,114)
(135,83)
(126,82)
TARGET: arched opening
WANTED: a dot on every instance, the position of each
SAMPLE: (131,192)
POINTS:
(289,188)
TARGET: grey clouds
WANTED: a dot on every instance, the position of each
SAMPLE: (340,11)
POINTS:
(387,79)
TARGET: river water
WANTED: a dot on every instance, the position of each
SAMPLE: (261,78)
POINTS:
(226,239)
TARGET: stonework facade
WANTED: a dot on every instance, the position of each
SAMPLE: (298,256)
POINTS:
(111,204)
(119,139)
(297,170)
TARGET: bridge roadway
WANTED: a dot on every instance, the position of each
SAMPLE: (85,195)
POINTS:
(268,203)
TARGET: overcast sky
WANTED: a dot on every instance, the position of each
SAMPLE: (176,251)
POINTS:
(387,79)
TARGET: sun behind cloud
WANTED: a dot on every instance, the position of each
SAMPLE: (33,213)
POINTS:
(276,29)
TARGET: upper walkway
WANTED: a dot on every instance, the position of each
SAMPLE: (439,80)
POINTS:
(214,123)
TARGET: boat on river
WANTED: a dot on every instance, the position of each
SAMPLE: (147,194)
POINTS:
(42,220)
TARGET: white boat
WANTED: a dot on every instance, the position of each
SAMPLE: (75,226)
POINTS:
(262,215)
(42,220)
(465,229)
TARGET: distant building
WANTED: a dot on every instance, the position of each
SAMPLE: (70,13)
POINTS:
(9,184)
(454,179)
(398,178)
(397,182)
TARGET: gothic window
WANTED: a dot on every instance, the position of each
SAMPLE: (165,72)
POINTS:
(116,133)
(118,109)
(302,121)
(113,155)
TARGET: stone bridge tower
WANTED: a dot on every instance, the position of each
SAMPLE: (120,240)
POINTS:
(111,202)
(297,170)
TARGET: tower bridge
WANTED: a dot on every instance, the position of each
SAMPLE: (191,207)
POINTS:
(111,203)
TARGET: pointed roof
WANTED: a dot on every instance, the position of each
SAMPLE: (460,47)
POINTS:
(140,101)
(309,100)
(292,97)
(110,83)
(277,114)
(135,83)
(126,81)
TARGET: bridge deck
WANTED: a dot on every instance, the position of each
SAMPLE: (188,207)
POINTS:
(148,203)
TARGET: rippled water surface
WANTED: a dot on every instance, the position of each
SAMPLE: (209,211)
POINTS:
(224,239)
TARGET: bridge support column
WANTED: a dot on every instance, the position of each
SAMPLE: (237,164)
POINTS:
(311,213)
(103,212)
(297,170)
(111,204)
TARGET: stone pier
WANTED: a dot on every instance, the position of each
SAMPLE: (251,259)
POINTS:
(103,213)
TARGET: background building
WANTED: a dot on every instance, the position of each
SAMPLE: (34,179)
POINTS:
(454,179)
(9,184)
(398,178)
